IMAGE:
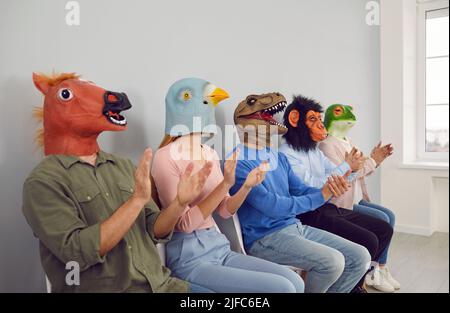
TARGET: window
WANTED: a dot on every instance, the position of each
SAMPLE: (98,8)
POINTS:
(433,76)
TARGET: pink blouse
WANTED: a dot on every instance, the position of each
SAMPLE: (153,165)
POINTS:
(169,163)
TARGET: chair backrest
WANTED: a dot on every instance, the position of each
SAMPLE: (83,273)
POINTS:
(48,284)
(237,227)
(162,252)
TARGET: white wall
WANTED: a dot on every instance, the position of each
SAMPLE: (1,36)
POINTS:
(321,48)
(417,193)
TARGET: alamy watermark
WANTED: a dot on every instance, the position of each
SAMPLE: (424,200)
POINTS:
(73,274)
(373,14)
(72,13)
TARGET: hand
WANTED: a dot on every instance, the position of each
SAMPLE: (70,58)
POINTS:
(336,186)
(366,197)
(229,169)
(355,159)
(380,153)
(388,150)
(142,183)
(256,176)
(190,186)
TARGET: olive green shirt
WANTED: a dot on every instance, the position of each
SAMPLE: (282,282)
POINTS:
(65,200)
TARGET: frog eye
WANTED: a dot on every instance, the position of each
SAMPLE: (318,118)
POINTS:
(186,95)
(338,111)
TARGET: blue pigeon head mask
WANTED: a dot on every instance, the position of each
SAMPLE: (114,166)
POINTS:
(190,106)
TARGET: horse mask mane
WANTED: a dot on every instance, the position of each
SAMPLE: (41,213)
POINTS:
(303,120)
(75,112)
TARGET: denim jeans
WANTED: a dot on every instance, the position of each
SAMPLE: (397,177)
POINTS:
(333,264)
(194,288)
(204,259)
(379,212)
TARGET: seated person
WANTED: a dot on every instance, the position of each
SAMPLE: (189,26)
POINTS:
(94,208)
(198,252)
(270,228)
(303,118)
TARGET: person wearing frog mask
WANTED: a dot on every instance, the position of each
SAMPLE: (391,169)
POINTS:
(303,118)
(339,119)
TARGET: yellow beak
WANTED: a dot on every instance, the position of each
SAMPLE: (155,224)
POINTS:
(218,95)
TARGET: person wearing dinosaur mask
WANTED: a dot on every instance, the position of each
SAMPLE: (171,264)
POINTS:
(268,216)
(92,208)
(339,120)
(303,118)
(198,252)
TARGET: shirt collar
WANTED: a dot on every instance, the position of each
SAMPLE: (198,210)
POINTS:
(69,160)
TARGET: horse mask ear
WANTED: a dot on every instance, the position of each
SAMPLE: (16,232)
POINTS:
(294,117)
(41,83)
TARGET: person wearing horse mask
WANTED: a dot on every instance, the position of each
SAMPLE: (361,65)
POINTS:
(306,132)
(92,210)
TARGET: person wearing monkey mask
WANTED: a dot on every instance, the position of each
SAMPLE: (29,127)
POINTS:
(303,118)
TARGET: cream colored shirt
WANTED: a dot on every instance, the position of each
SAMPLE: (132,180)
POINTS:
(335,149)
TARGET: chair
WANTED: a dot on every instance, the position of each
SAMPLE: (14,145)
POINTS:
(162,252)
(238,233)
(48,284)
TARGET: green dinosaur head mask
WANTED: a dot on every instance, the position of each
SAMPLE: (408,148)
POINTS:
(254,118)
(339,119)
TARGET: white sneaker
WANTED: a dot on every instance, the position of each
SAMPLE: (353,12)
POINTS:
(376,280)
(386,273)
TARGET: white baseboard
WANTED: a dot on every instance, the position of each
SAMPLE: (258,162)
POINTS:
(415,230)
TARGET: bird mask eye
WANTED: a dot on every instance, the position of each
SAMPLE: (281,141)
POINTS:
(186,95)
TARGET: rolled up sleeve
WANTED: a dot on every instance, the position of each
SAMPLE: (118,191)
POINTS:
(223,208)
(152,213)
(55,220)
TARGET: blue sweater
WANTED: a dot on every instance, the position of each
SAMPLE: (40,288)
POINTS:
(276,202)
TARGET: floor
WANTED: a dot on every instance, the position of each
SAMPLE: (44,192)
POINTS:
(420,264)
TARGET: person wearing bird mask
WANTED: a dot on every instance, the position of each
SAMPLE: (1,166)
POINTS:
(198,252)
(306,132)
(92,210)
(268,216)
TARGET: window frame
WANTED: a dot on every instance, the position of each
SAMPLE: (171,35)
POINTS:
(422,9)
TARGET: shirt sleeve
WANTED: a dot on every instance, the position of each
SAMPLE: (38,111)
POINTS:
(55,220)
(166,176)
(273,205)
(341,169)
(369,167)
(223,208)
(303,172)
(296,186)
(310,178)
(152,213)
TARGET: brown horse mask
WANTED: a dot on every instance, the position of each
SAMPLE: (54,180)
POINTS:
(75,112)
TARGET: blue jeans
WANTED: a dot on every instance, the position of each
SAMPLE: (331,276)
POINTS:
(378,212)
(204,259)
(194,288)
(333,264)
